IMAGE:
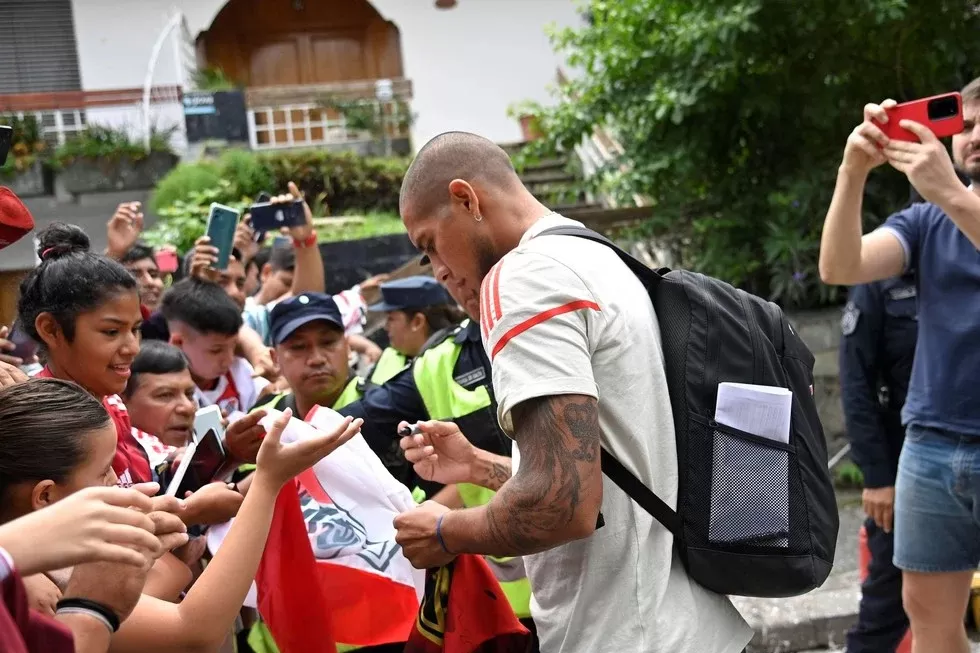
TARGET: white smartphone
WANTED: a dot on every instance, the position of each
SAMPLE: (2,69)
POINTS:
(208,419)
(185,464)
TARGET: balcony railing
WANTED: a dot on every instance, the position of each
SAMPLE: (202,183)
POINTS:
(63,114)
(313,115)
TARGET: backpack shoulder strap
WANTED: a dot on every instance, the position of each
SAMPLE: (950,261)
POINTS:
(649,277)
(611,467)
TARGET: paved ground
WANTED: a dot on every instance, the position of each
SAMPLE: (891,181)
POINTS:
(821,617)
(90,213)
(819,620)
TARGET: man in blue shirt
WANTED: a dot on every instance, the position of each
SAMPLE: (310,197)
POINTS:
(937,500)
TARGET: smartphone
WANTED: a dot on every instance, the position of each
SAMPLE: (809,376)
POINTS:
(208,419)
(222,223)
(267,216)
(6,139)
(259,234)
(942,114)
(201,463)
(25,348)
(166,261)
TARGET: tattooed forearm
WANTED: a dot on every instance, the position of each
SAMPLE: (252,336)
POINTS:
(557,491)
(492,471)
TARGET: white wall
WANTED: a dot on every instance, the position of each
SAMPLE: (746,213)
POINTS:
(467,64)
(115,39)
(470,63)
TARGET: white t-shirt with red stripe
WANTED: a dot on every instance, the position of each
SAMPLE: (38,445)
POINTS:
(563,315)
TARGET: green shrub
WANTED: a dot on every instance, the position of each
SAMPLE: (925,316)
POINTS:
(246,172)
(213,79)
(183,180)
(334,183)
(28,144)
(101,142)
(848,476)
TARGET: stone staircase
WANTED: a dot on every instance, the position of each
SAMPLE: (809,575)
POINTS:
(557,182)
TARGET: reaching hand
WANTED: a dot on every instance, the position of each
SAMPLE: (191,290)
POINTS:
(244,240)
(263,365)
(94,524)
(42,594)
(926,164)
(6,345)
(244,437)
(440,453)
(10,375)
(203,258)
(278,463)
(168,523)
(215,503)
(373,282)
(416,532)
(863,151)
(304,231)
(123,229)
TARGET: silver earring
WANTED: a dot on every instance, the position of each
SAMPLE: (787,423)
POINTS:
(478,217)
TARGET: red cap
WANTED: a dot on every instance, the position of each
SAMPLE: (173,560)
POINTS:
(15,219)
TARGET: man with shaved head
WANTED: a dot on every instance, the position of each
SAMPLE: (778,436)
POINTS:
(564,322)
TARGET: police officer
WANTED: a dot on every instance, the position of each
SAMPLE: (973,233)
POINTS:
(416,307)
(879,333)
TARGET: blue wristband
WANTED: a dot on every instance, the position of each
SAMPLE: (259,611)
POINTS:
(442,542)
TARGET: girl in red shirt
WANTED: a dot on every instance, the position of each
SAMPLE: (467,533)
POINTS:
(84,311)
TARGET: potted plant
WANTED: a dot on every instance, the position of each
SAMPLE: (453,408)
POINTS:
(23,172)
(101,159)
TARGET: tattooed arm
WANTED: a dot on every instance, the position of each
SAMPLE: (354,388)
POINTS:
(556,494)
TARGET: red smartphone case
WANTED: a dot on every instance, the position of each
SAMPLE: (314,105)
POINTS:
(166,261)
(918,111)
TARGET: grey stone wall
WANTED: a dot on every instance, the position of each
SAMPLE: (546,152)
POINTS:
(821,332)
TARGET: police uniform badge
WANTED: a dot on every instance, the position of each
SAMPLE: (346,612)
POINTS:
(849,320)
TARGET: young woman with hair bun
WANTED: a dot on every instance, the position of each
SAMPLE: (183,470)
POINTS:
(84,311)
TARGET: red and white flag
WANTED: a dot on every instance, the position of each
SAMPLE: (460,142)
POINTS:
(331,572)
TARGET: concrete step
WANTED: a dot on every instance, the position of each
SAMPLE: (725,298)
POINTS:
(545,165)
(536,176)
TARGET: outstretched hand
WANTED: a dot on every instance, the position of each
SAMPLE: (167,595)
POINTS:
(278,462)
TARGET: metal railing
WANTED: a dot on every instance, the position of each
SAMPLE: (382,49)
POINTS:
(306,115)
(61,115)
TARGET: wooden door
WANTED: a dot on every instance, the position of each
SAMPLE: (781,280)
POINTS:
(281,42)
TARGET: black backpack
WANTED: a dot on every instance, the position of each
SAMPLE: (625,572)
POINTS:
(712,332)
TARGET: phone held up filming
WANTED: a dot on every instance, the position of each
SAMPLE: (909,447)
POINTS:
(941,114)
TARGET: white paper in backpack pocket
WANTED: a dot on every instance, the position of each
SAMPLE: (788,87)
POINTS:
(750,481)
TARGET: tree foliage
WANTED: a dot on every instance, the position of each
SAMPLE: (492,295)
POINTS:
(733,116)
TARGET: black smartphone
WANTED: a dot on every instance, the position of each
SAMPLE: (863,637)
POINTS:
(6,139)
(267,216)
(259,234)
(207,458)
(25,348)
